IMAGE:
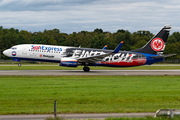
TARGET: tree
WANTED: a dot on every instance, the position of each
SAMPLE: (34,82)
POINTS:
(176,35)
(95,39)
(98,30)
(21,40)
(126,37)
(26,36)
(121,31)
(1,27)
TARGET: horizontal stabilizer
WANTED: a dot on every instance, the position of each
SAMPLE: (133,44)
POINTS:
(162,56)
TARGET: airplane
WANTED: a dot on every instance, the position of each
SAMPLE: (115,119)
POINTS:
(66,56)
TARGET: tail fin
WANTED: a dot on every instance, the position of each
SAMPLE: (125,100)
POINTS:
(157,44)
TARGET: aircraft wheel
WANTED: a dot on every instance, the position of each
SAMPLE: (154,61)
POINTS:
(86,69)
(19,64)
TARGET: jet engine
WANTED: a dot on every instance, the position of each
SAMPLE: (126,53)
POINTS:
(67,62)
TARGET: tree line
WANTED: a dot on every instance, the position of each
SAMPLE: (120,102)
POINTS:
(96,39)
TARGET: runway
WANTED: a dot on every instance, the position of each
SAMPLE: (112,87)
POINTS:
(92,72)
(74,116)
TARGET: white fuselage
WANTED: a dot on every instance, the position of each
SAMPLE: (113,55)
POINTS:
(49,53)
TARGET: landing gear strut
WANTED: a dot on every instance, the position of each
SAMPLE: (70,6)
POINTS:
(86,69)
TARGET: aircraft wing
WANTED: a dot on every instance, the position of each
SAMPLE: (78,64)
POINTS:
(98,58)
(94,59)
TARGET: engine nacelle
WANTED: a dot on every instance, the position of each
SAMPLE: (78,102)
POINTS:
(67,62)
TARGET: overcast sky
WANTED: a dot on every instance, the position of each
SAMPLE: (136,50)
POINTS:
(77,15)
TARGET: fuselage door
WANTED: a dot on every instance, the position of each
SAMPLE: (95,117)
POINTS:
(24,50)
(139,58)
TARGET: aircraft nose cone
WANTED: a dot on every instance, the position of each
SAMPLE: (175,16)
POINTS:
(6,52)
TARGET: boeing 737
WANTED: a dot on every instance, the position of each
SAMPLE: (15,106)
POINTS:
(151,53)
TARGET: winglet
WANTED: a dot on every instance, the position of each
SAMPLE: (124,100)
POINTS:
(118,47)
(104,48)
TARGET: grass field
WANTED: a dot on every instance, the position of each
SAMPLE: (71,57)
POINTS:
(88,94)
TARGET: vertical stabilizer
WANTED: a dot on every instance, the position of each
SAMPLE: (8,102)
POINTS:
(157,44)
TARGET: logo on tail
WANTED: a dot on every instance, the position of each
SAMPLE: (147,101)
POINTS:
(157,44)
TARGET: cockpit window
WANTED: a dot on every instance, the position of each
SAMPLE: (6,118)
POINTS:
(13,48)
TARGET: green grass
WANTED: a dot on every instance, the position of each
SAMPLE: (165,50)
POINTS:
(88,94)
(46,67)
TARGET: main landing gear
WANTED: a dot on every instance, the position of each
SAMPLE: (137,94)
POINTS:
(86,69)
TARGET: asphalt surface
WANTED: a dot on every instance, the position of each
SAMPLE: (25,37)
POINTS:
(92,72)
(74,116)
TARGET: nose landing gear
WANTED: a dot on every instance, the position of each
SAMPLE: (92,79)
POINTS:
(19,65)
